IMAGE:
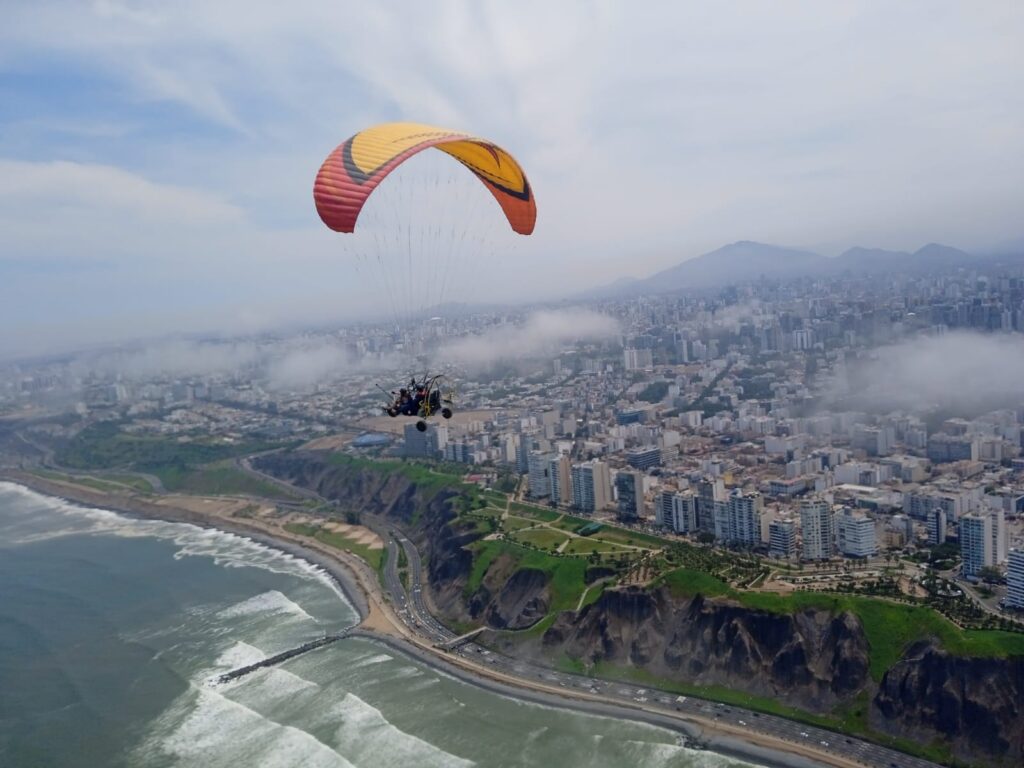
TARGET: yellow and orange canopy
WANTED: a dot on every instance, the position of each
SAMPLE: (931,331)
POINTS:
(353,170)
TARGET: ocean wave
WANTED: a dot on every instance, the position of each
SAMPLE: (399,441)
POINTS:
(205,727)
(367,738)
(273,602)
(238,655)
(228,550)
(367,661)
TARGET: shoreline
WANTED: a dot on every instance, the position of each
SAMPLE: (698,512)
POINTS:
(359,585)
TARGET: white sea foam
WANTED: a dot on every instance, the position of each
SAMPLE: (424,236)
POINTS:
(422,684)
(225,549)
(656,754)
(205,727)
(289,697)
(404,673)
(379,658)
(272,602)
(367,739)
(238,655)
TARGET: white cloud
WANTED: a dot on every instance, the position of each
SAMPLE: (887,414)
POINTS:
(963,371)
(46,191)
(541,333)
(652,132)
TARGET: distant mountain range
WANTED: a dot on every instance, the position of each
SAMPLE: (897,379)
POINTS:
(747,260)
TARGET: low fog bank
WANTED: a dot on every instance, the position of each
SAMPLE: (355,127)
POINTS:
(283,364)
(962,371)
(301,362)
(542,333)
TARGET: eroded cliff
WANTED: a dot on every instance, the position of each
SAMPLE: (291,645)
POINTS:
(812,659)
(976,704)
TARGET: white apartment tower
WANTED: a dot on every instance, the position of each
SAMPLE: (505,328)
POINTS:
(816,523)
(935,522)
(856,534)
(676,510)
(538,466)
(741,524)
(560,474)
(976,543)
(591,486)
(782,538)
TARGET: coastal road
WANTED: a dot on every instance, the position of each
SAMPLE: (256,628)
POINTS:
(413,610)
(682,711)
(410,605)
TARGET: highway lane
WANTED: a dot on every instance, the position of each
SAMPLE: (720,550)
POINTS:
(413,609)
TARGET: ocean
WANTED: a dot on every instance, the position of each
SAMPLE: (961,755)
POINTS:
(112,628)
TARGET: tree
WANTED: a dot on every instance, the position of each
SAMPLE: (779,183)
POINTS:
(990,574)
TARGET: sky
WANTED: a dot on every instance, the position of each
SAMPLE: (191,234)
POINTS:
(157,159)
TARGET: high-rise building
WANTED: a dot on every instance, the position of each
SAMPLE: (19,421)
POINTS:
(637,359)
(856,533)
(644,458)
(629,488)
(425,445)
(539,465)
(976,543)
(802,338)
(684,512)
(560,473)
(816,524)
(523,454)
(943,447)
(591,486)
(461,451)
(745,511)
(1015,578)
(935,523)
(710,494)
(738,520)
(998,535)
(782,538)
(663,508)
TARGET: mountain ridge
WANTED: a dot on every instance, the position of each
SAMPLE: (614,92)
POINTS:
(751,259)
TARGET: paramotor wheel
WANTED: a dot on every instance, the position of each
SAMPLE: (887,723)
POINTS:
(392,412)
(421,426)
(446,412)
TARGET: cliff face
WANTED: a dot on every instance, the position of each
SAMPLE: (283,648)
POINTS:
(977,704)
(811,659)
(426,517)
(357,488)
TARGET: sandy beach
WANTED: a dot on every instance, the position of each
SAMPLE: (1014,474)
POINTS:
(360,584)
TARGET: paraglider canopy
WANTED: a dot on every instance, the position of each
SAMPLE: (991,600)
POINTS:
(354,169)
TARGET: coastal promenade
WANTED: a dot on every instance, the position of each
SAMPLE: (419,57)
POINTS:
(400,619)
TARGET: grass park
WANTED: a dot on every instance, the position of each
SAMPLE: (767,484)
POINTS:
(524,533)
(372,555)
